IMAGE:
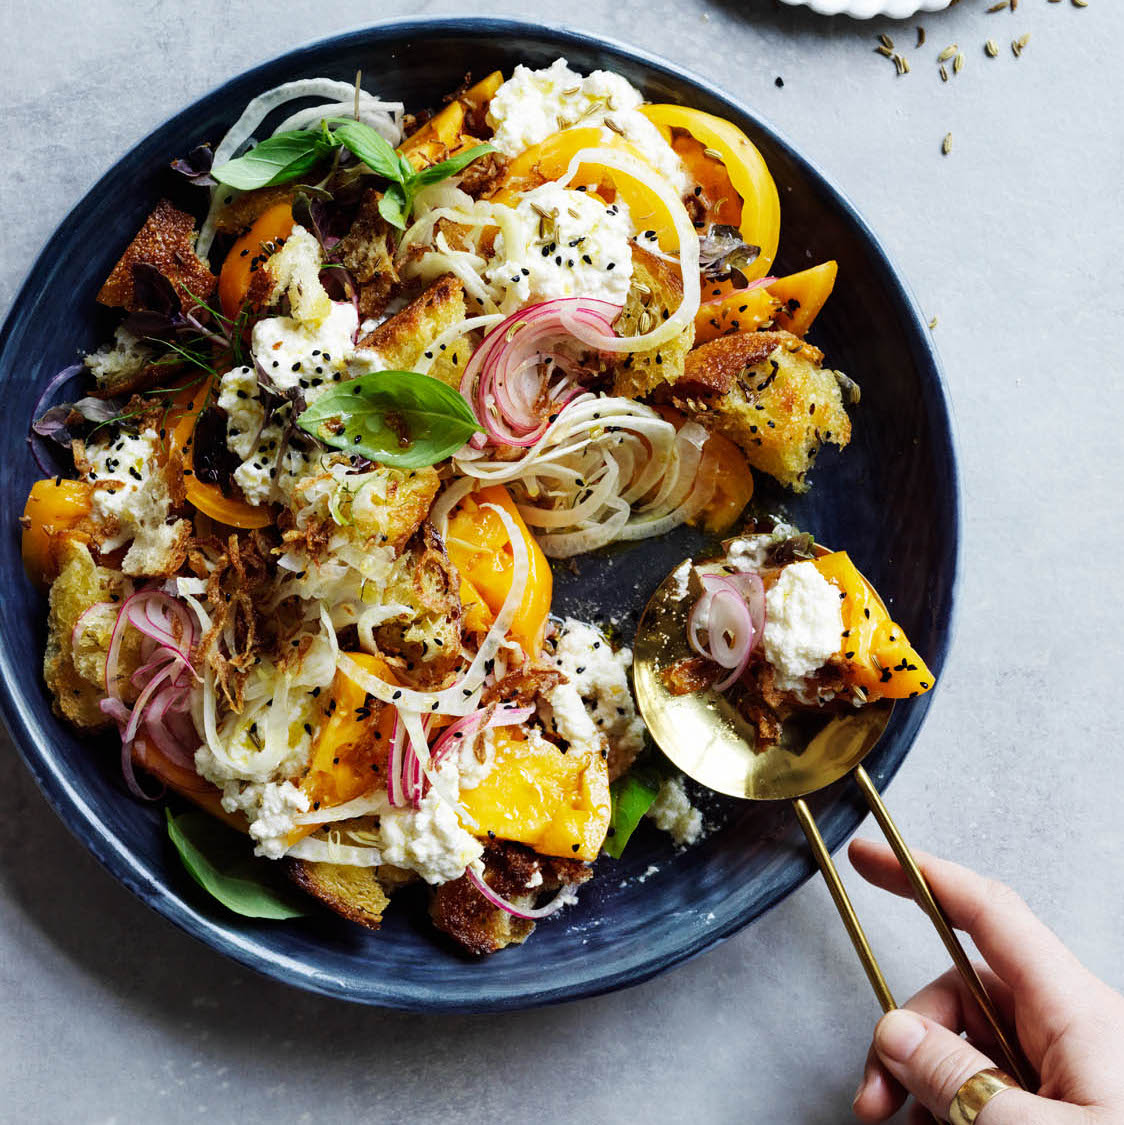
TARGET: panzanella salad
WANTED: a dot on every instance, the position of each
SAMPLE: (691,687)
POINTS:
(359,396)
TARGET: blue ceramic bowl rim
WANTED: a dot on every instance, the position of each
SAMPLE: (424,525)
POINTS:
(68,802)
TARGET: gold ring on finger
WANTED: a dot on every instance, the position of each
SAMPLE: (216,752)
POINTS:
(977,1092)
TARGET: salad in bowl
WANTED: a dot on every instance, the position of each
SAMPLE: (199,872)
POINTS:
(397,366)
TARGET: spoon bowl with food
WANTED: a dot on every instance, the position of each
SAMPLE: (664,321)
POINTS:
(770,673)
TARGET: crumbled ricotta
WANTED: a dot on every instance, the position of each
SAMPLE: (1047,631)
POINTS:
(312,355)
(428,840)
(581,250)
(803,624)
(533,104)
(131,500)
(271,809)
(596,699)
(673,812)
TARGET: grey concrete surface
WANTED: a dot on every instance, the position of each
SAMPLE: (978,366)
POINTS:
(110,1015)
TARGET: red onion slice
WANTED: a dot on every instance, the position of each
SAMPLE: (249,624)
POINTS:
(511,404)
(731,612)
(530,915)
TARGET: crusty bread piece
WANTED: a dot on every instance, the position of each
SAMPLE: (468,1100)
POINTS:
(656,292)
(402,340)
(478,927)
(166,242)
(767,392)
(367,252)
(354,892)
(245,208)
(426,648)
(74,661)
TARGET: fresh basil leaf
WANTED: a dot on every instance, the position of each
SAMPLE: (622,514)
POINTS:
(372,148)
(393,206)
(398,418)
(632,796)
(276,160)
(217,858)
(435,173)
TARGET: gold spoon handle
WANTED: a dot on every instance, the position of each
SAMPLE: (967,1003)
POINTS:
(843,905)
(928,902)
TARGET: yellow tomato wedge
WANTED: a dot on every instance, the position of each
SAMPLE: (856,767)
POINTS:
(53,511)
(742,310)
(208,498)
(549,159)
(879,657)
(350,752)
(248,253)
(446,133)
(792,302)
(479,547)
(724,143)
(558,804)
(802,295)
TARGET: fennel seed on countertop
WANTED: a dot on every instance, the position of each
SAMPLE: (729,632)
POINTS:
(946,144)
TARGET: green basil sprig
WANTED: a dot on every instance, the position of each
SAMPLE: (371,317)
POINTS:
(288,156)
(218,860)
(397,418)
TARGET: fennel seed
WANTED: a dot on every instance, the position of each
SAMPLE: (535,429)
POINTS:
(946,146)
(885,52)
(991,49)
(713,153)
(944,73)
(958,63)
(948,53)
(933,323)
(886,42)
(571,91)
(1000,7)
(1080,3)
(920,38)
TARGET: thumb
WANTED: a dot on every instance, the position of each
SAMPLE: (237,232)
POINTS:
(932,1063)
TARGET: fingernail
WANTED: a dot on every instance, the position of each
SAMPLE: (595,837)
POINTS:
(899,1034)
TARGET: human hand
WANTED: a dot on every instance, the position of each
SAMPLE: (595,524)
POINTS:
(1070,1025)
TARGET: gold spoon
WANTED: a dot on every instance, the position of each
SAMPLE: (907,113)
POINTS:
(710,741)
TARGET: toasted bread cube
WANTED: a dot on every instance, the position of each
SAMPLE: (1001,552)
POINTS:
(367,250)
(403,339)
(74,661)
(767,392)
(354,892)
(167,243)
(656,292)
(516,873)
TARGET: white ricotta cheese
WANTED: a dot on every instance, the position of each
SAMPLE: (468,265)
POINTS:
(596,699)
(533,104)
(132,501)
(581,250)
(312,355)
(428,840)
(276,806)
(803,624)
(673,812)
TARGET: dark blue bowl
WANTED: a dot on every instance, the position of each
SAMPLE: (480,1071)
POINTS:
(891,499)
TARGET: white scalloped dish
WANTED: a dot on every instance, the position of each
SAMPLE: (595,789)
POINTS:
(867,9)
